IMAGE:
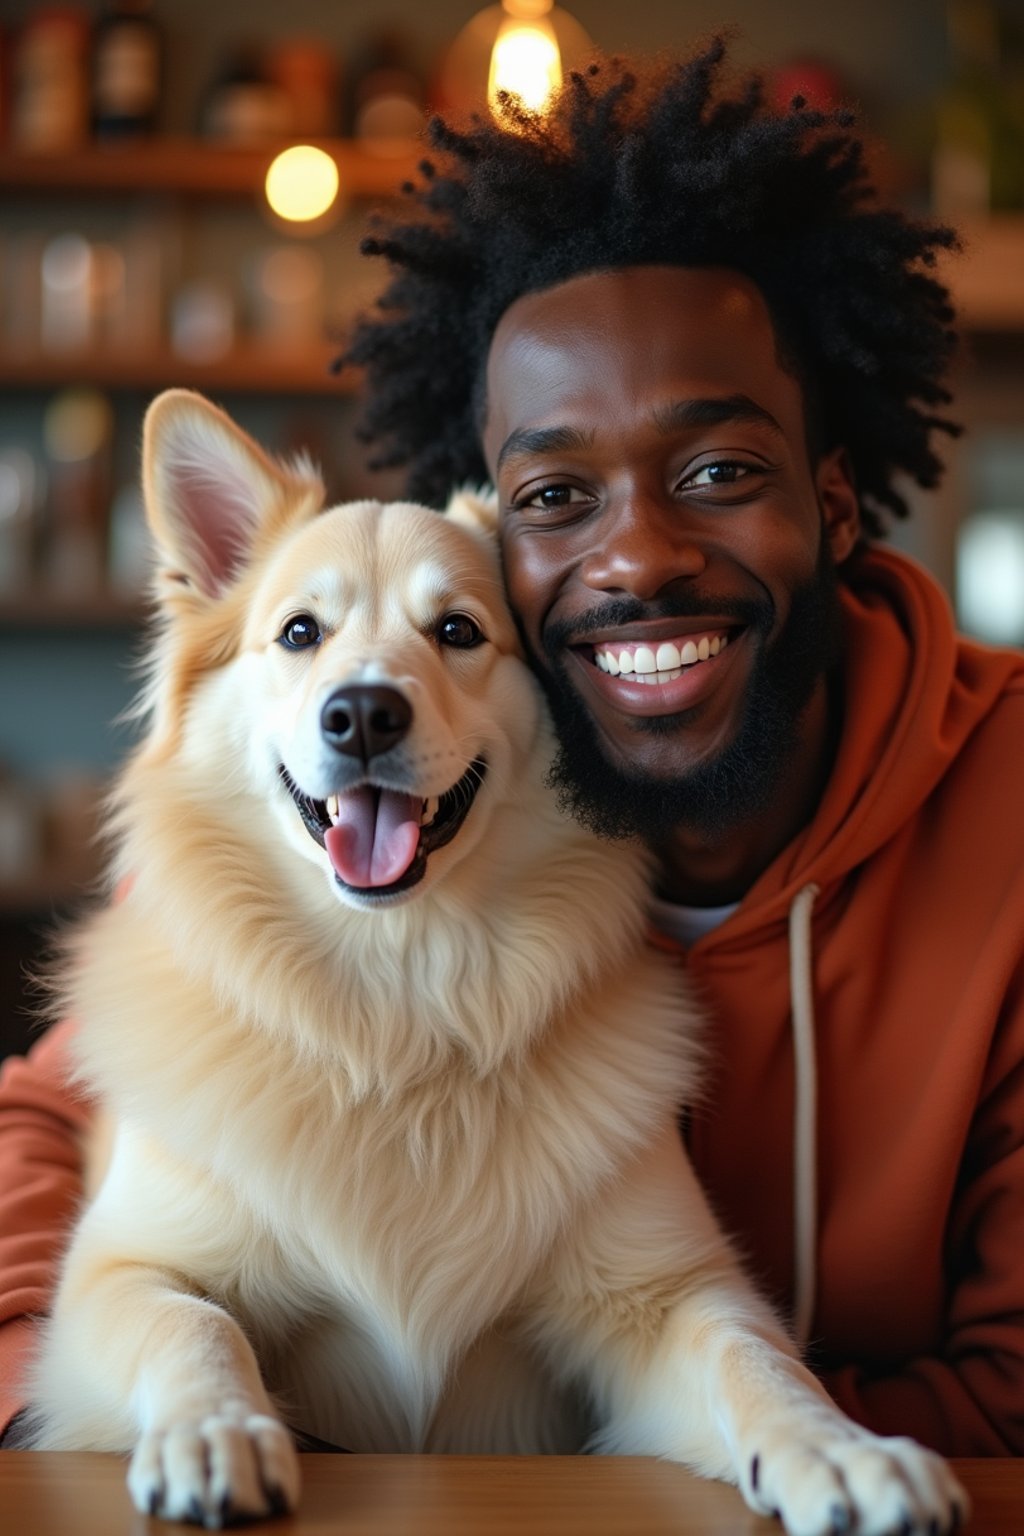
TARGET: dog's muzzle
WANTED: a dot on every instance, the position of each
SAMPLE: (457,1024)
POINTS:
(378,838)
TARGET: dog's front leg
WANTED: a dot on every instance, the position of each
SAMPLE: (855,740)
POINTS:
(138,1358)
(133,1361)
(685,1361)
(211,1447)
(172,1376)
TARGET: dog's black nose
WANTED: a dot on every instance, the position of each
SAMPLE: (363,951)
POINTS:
(365,719)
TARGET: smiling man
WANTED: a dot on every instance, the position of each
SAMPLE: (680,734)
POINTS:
(670,551)
(698,361)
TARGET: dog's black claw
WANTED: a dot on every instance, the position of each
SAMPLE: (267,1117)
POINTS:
(196,1512)
(755,1472)
(277,1501)
(841,1519)
(907,1526)
(227,1514)
(156,1498)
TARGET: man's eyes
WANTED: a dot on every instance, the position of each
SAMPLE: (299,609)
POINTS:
(559,501)
(717,472)
(550,498)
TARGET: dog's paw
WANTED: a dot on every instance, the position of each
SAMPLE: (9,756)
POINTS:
(845,1479)
(228,1467)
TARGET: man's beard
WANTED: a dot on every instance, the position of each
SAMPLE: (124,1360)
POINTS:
(733,787)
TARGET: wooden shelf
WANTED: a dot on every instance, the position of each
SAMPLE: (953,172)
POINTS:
(987,278)
(44,893)
(248,368)
(43,610)
(192,167)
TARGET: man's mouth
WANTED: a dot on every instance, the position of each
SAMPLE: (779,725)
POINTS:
(661,661)
(378,839)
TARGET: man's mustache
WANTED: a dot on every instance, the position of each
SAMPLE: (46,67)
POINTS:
(752,613)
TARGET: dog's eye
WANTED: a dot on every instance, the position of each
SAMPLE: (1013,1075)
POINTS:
(300,632)
(460,630)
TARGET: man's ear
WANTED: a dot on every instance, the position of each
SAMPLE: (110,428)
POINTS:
(839,503)
(211,491)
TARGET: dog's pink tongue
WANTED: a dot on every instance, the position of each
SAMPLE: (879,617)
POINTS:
(375,837)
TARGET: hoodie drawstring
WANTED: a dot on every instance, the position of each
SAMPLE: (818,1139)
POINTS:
(805,1114)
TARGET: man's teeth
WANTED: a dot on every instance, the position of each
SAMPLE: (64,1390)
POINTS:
(429,811)
(662,665)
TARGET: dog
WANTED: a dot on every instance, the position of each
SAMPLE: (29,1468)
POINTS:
(391,1074)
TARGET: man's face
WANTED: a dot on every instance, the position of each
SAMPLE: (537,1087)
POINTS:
(668,546)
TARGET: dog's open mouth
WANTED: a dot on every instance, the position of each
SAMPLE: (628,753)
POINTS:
(378,840)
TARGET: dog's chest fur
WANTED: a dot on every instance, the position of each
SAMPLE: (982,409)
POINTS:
(376,1237)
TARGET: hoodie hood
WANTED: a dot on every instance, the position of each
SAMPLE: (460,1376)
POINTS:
(914,693)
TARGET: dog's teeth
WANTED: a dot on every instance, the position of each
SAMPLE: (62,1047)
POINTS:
(333,807)
(430,809)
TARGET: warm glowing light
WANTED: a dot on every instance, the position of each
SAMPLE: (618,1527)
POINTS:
(525,63)
(524,48)
(302,183)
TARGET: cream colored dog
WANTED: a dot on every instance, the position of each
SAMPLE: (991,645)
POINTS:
(395,1081)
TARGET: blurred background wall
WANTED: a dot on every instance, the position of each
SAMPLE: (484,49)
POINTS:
(137,251)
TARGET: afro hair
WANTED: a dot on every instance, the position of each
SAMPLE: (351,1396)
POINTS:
(670,167)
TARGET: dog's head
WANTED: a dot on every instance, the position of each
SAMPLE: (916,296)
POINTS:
(353,672)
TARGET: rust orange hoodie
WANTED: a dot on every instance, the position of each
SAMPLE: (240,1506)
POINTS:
(906,955)
(915,964)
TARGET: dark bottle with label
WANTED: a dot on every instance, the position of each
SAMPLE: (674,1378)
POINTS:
(127,70)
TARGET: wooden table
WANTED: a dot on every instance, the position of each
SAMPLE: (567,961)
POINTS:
(53,1494)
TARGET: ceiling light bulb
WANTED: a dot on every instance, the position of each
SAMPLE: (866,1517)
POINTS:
(525,63)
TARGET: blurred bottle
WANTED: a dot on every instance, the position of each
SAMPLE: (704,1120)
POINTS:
(130,554)
(20,497)
(50,80)
(287,293)
(151,259)
(127,70)
(78,431)
(307,72)
(70,828)
(817,81)
(21,290)
(5,83)
(979,140)
(21,828)
(243,104)
(67,289)
(202,321)
(385,101)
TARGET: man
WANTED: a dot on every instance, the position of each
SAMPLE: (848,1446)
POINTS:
(692,356)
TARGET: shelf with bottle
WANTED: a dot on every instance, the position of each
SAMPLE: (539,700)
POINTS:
(194,167)
(34,610)
(49,855)
(246,367)
(987,275)
(50,885)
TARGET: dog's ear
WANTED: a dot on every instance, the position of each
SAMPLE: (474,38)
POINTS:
(211,491)
(474,509)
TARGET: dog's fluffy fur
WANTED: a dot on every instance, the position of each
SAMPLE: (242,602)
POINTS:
(396,1159)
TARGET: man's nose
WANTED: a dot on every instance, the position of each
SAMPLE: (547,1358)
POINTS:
(641,547)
